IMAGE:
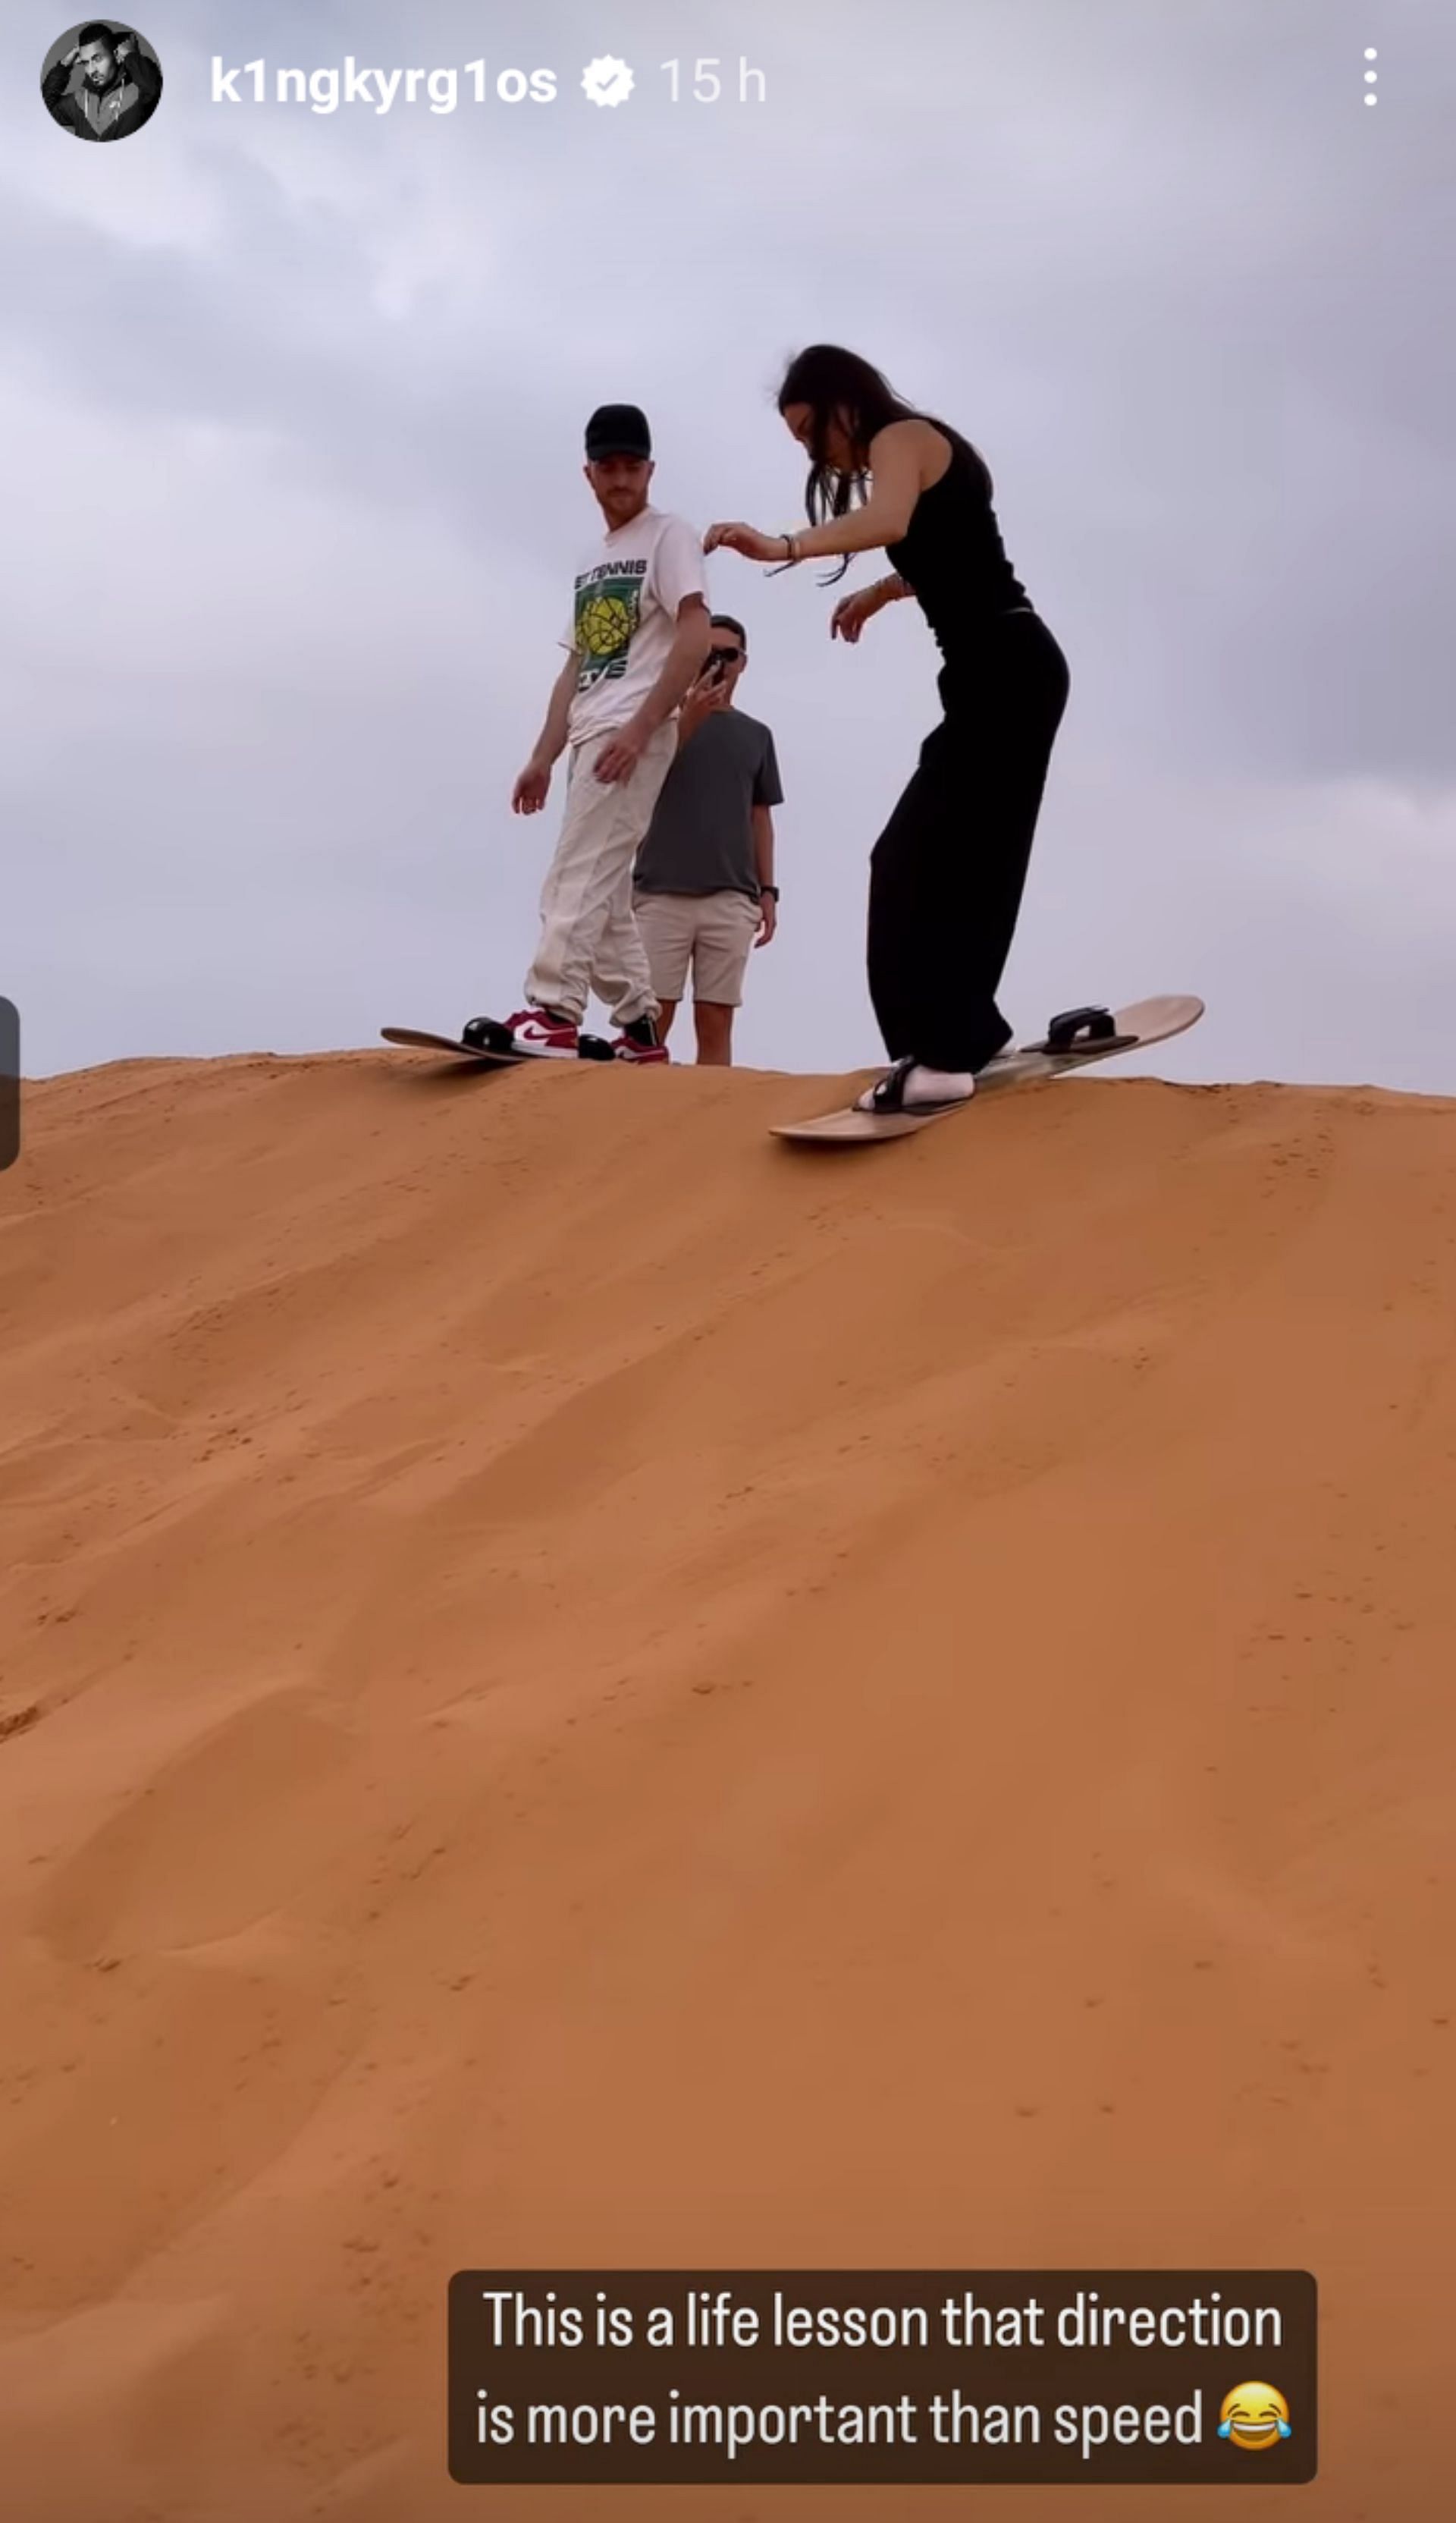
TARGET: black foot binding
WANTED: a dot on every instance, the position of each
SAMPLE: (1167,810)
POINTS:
(1083,1030)
(887,1095)
(486,1033)
(590,1046)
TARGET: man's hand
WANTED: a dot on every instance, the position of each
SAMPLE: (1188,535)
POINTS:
(618,758)
(529,795)
(768,912)
(852,612)
(706,695)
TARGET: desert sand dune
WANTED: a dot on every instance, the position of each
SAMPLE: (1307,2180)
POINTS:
(580,1688)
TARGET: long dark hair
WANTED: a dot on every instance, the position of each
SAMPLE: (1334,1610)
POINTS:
(838,385)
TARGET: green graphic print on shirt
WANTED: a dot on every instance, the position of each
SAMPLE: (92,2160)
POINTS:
(608,616)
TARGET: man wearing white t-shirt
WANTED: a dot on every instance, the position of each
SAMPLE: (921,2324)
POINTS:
(638,637)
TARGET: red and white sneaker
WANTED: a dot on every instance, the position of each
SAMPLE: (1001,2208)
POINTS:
(638,1041)
(544,1034)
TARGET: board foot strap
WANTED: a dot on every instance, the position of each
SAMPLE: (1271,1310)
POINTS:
(1083,1030)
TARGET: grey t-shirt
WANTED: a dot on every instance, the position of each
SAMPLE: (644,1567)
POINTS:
(700,840)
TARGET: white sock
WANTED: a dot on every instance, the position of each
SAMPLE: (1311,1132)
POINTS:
(924,1087)
(939,1085)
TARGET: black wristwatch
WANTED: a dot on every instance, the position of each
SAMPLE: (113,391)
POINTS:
(767,889)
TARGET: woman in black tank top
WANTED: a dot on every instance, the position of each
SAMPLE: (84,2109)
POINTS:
(948,872)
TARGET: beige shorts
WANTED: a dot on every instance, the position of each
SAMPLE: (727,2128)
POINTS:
(710,934)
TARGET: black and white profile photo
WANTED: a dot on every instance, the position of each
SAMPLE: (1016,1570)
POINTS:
(100,81)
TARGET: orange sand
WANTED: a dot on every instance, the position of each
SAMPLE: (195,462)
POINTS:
(578,1688)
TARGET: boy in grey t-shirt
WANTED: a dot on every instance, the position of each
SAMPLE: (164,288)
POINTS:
(703,891)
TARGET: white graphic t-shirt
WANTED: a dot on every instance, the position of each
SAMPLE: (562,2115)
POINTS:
(625,617)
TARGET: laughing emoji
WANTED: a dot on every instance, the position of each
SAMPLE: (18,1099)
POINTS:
(1256,2416)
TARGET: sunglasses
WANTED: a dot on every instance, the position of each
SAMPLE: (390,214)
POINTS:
(723,656)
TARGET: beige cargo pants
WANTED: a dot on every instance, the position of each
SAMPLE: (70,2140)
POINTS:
(589,939)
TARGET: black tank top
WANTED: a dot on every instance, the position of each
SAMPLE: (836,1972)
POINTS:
(951,557)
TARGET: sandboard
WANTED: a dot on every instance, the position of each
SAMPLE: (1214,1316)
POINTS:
(409,1036)
(1066,1047)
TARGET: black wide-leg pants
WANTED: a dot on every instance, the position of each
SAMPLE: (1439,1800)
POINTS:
(948,872)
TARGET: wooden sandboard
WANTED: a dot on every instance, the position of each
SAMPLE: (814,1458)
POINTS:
(1138,1027)
(412,1039)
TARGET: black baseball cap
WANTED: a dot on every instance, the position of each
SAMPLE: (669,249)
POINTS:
(617,429)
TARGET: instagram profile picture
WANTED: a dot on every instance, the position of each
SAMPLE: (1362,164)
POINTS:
(100,80)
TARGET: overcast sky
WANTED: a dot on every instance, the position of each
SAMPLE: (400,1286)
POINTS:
(292,406)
